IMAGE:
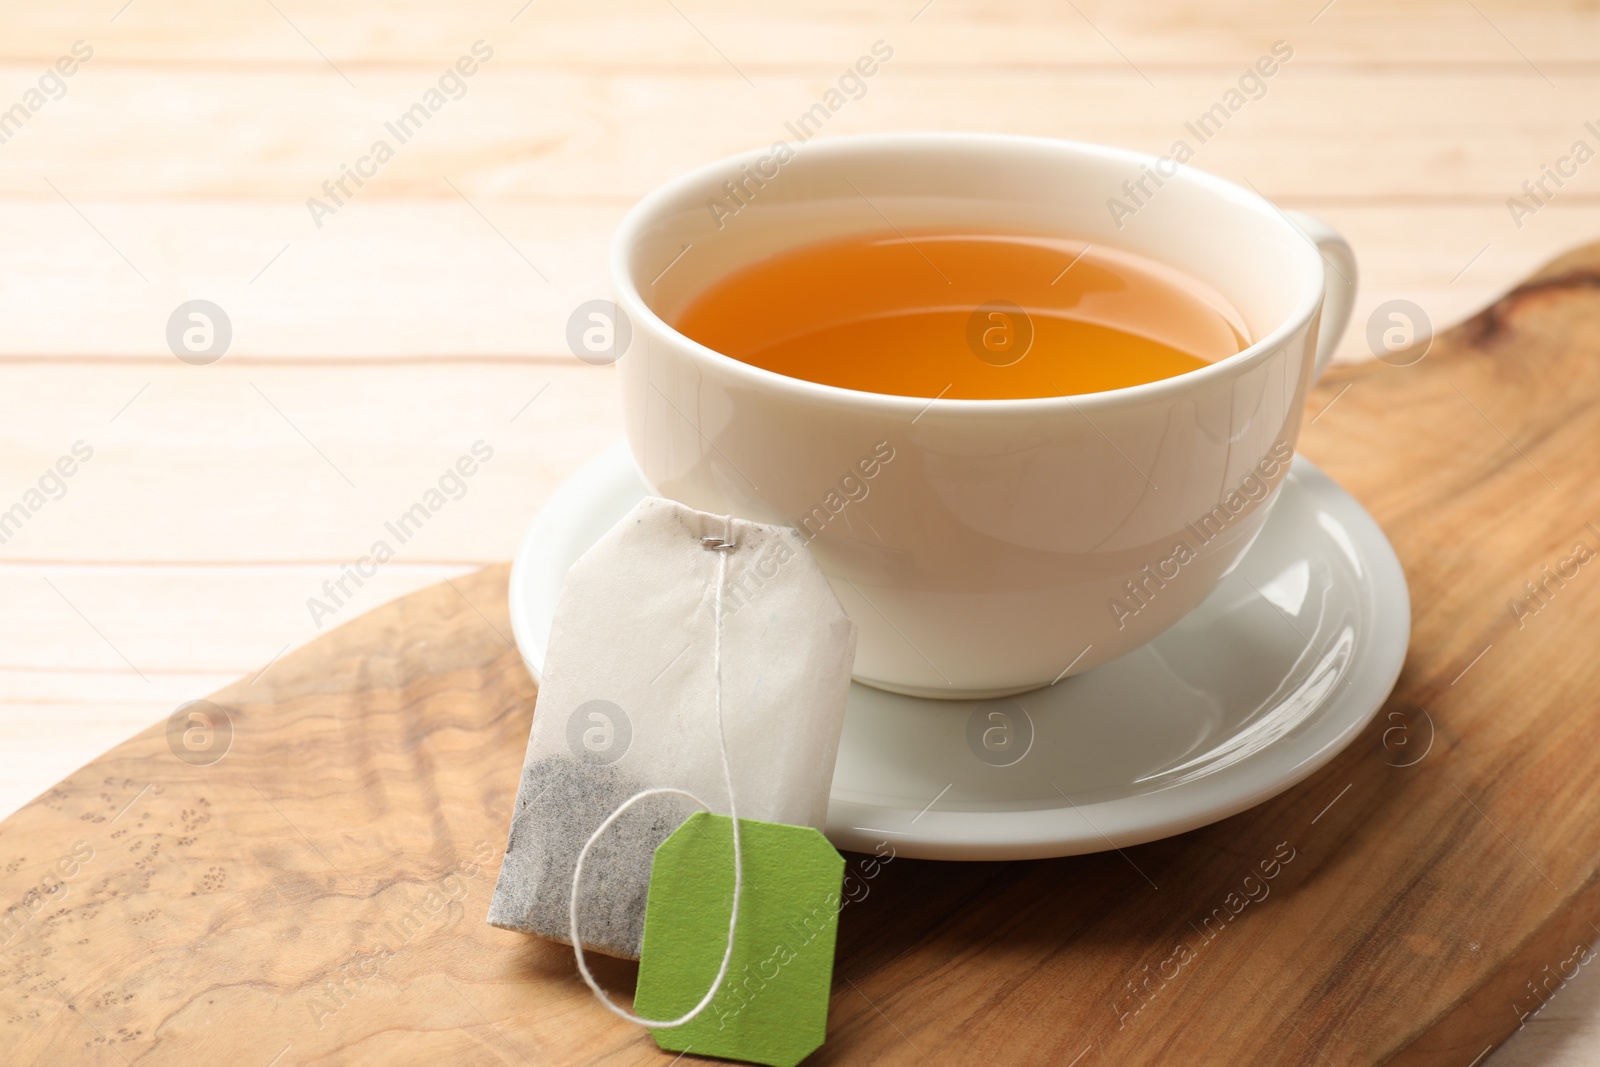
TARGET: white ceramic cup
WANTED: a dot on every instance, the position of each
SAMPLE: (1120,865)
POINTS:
(983,547)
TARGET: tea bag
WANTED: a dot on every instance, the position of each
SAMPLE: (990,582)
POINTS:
(627,703)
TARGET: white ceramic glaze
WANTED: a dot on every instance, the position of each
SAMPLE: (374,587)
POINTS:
(1279,668)
(982,547)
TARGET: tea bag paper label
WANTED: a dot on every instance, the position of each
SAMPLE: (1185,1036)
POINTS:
(772,1007)
(627,703)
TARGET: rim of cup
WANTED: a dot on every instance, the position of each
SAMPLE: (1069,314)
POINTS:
(706,177)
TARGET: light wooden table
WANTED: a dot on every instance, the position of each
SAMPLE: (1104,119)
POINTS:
(428,311)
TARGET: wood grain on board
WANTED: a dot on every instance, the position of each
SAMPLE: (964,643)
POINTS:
(317,893)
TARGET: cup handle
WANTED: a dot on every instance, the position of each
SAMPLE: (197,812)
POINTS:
(1339,285)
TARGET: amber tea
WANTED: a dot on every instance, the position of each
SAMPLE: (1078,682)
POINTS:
(986,316)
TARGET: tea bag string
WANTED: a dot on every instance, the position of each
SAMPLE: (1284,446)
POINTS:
(721,547)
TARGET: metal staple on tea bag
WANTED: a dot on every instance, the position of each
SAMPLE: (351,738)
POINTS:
(720,544)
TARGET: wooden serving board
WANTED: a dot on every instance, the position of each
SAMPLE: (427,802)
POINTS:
(318,893)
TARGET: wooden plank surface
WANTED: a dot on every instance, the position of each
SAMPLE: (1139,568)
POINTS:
(178,163)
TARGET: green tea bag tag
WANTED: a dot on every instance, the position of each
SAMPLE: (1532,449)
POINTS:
(772,1006)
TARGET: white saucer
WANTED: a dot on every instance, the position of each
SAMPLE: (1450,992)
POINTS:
(1257,688)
